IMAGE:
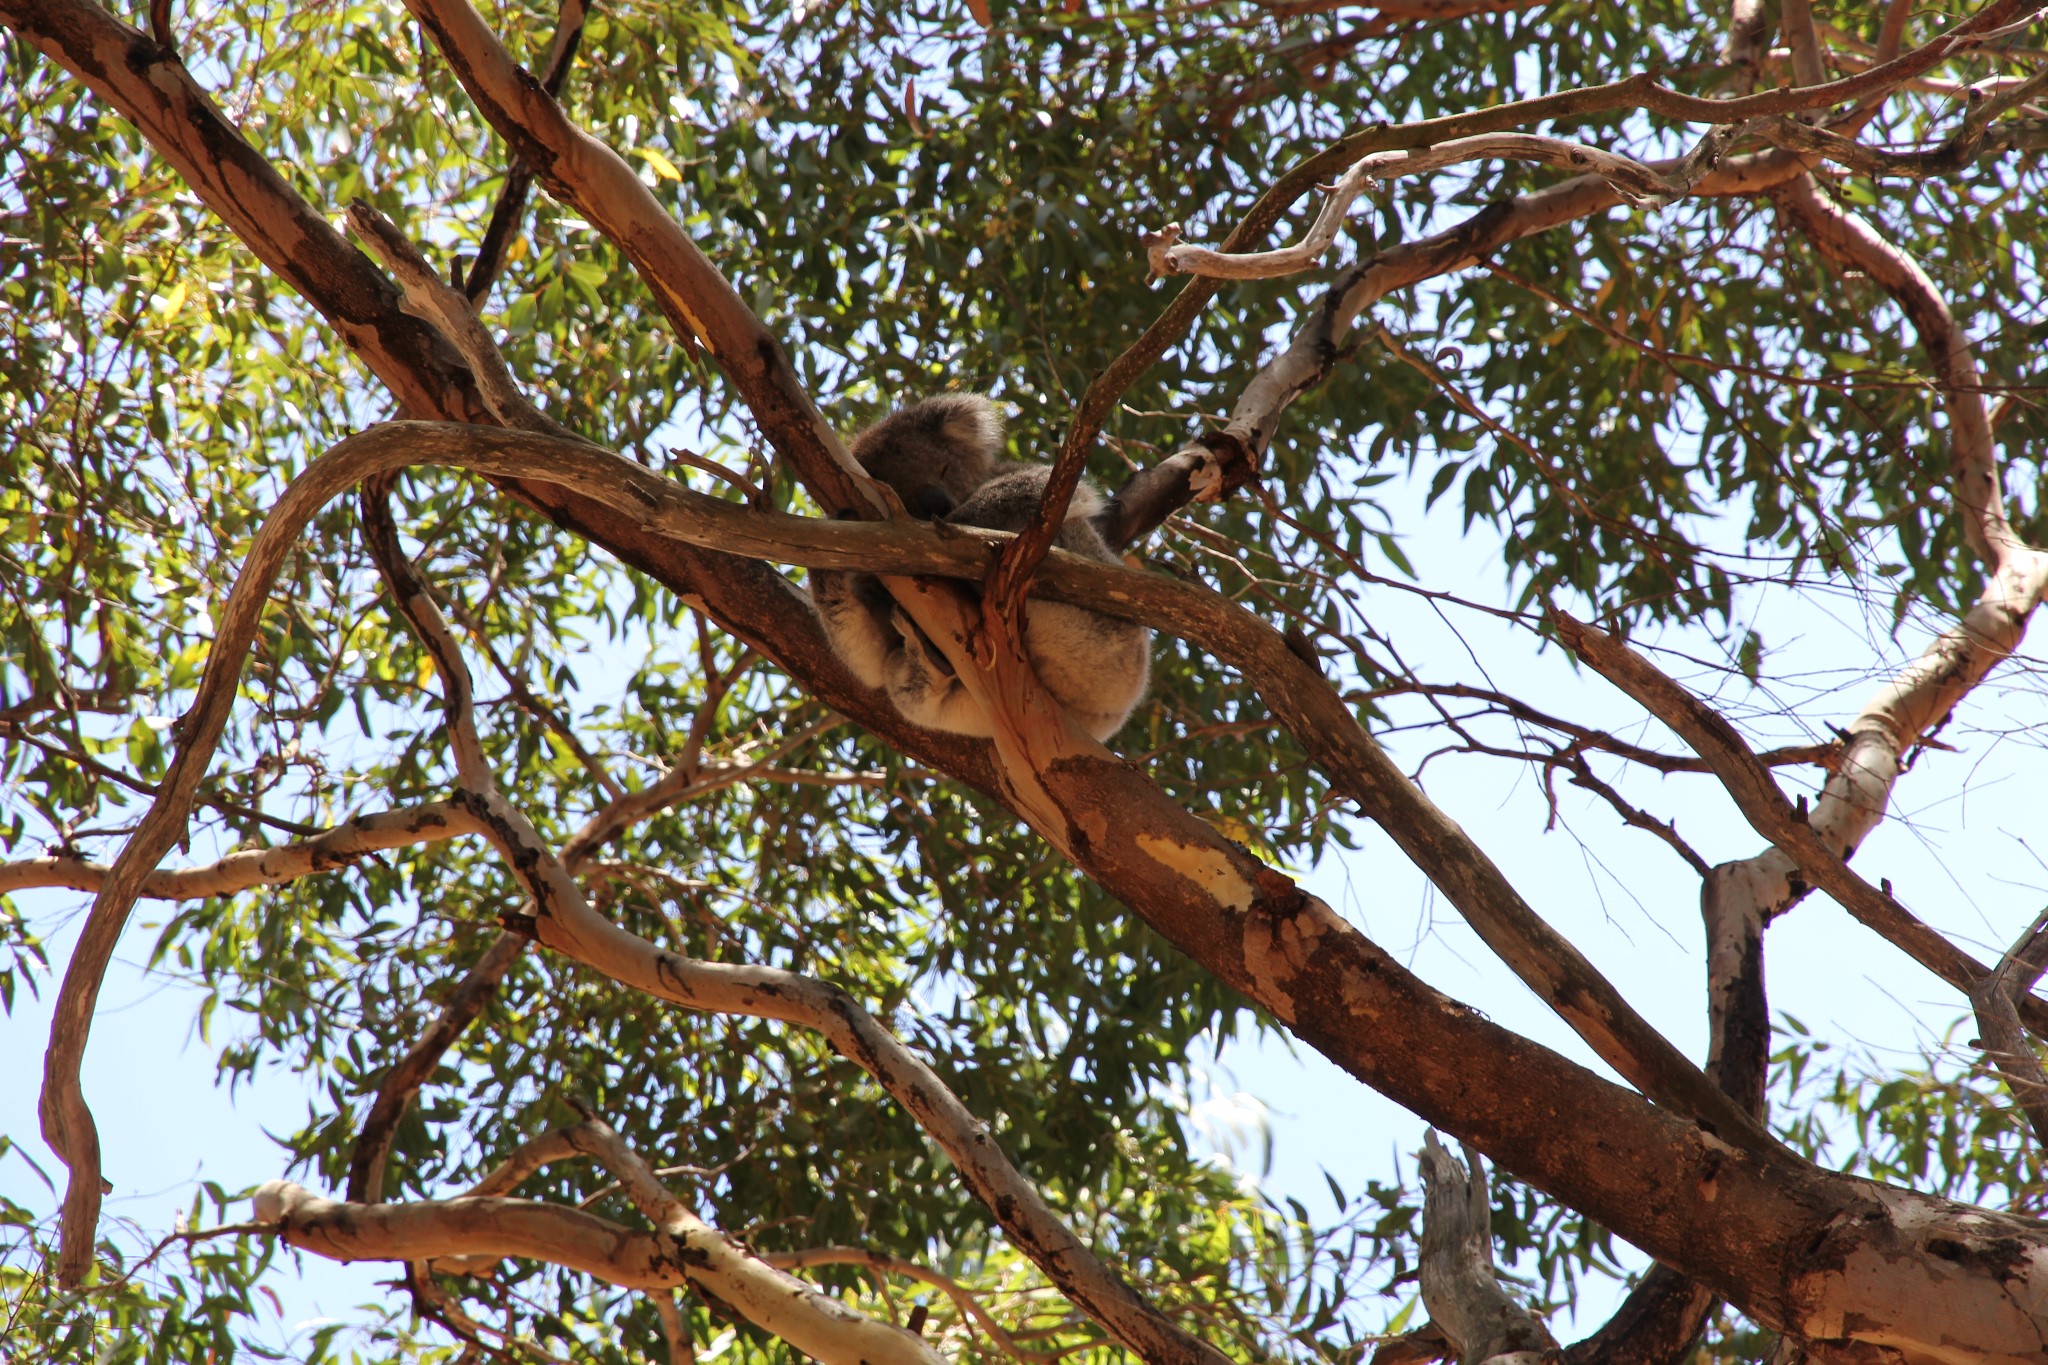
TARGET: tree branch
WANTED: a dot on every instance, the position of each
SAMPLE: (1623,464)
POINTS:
(1252,927)
(347,843)
(1851,243)
(1636,183)
(963,1298)
(1300,696)
(1455,1260)
(1750,785)
(684,1252)
(511,203)
(1995,1000)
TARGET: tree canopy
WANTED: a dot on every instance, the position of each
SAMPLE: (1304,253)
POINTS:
(418,424)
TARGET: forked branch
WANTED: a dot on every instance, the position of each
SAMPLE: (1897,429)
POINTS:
(1757,796)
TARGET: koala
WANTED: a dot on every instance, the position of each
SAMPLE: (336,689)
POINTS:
(941,457)
(934,453)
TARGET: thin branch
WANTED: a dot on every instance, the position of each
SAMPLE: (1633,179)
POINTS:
(1585,737)
(524,698)
(478,987)
(1970,142)
(685,781)
(675,1331)
(1635,182)
(511,203)
(1401,11)
(1850,242)
(1749,784)
(1582,775)
(87,763)
(345,844)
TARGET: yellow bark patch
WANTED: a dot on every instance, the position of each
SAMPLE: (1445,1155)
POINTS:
(1209,868)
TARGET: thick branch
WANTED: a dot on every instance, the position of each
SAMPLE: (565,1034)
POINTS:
(1301,697)
(1289,952)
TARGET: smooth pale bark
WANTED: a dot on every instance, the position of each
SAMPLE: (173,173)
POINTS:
(686,1253)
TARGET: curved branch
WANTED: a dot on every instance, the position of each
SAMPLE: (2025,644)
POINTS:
(1636,183)
(698,300)
(1851,243)
(685,1252)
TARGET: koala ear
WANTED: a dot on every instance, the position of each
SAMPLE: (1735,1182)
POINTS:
(930,502)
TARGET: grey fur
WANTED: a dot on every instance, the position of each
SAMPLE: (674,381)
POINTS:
(1093,665)
(934,453)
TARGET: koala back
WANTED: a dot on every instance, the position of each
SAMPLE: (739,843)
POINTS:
(1009,501)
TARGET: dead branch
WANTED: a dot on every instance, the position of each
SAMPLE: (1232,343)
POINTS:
(1459,1286)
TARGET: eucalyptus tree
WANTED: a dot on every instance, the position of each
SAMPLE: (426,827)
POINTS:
(418,425)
